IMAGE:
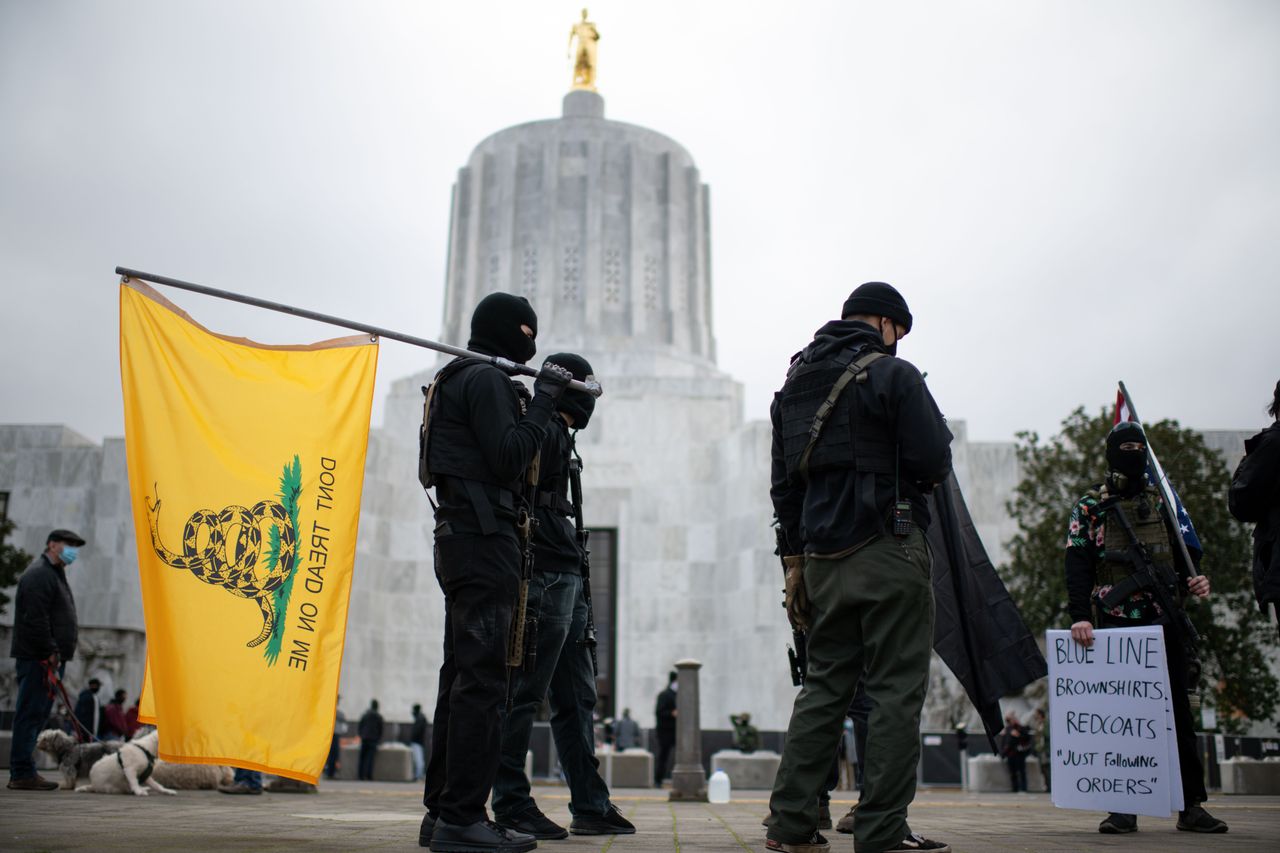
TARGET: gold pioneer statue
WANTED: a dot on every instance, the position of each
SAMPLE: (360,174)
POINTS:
(584,58)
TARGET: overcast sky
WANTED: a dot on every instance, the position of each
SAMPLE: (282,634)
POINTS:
(1068,193)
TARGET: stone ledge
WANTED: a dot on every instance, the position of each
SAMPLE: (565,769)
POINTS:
(1250,776)
(747,770)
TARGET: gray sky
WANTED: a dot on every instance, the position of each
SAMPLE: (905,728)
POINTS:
(1068,193)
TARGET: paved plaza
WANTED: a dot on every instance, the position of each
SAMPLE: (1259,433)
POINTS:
(350,816)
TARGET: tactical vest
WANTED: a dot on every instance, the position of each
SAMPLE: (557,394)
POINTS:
(448,444)
(847,440)
(1148,525)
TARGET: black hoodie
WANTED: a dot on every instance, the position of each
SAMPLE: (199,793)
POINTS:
(823,516)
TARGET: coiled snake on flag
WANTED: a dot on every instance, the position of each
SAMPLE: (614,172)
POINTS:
(232,564)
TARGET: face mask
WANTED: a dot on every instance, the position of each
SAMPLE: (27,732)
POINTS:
(891,349)
(69,554)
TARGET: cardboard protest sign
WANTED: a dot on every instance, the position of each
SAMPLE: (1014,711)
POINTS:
(1111,723)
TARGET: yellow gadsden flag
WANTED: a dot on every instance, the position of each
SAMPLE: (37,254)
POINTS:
(245,468)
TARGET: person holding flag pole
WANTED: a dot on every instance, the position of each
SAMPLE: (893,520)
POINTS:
(1132,556)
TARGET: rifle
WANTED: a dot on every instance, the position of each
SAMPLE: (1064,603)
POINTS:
(575,493)
(797,655)
(1147,575)
(522,650)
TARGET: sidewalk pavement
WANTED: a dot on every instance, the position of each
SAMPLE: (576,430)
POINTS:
(350,816)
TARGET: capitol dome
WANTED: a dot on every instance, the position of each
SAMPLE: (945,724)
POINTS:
(602,225)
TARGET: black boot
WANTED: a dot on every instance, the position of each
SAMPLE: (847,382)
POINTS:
(1196,819)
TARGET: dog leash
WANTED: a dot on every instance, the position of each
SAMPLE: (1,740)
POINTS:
(57,690)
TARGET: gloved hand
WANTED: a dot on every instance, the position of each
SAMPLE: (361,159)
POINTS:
(796,596)
(552,380)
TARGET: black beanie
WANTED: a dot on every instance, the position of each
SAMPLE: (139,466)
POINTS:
(880,299)
(495,327)
(579,404)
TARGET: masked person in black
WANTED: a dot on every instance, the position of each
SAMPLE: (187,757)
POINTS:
(562,672)
(1103,589)
(857,444)
(481,438)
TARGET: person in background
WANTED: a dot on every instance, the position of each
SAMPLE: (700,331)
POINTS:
(89,711)
(665,711)
(45,630)
(335,745)
(1015,744)
(114,724)
(1040,737)
(626,732)
(417,743)
(370,731)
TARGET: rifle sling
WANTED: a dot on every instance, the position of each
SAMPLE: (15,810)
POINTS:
(855,371)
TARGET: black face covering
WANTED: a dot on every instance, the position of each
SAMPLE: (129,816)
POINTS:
(495,327)
(1127,469)
(578,404)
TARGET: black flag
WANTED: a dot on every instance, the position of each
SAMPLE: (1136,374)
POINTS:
(978,631)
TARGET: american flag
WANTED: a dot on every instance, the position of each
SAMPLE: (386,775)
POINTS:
(1124,412)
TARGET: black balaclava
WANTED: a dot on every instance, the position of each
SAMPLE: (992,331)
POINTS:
(580,404)
(882,300)
(495,327)
(1126,469)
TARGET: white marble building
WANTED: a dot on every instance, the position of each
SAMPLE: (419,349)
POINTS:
(605,227)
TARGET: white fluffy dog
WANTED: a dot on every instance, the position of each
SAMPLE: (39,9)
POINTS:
(74,758)
(128,770)
(192,777)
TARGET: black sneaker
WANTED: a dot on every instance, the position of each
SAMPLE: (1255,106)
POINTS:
(1118,824)
(1196,819)
(533,822)
(824,817)
(916,841)
(816,844)
(610,823)
(483,836)
(426,829)
(845,824)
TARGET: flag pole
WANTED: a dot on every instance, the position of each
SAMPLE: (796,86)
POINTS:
(1162,483)
(593,388)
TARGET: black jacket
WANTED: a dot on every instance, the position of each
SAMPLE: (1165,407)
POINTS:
(370,728)
(665,711)
(555,542)
(479,447)
(418,733)
(1255,496)
(825,515)
(44,613)
(89,711)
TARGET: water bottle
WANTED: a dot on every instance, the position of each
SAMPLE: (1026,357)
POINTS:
(718,787)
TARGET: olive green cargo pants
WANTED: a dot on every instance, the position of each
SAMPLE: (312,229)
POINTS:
(871,617)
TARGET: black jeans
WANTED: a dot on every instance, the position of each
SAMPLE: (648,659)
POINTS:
(662,764)
(562,673)
(480,577)
(1017,771)
(368,754)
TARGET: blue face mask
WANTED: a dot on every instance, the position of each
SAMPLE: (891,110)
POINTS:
(69,554)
